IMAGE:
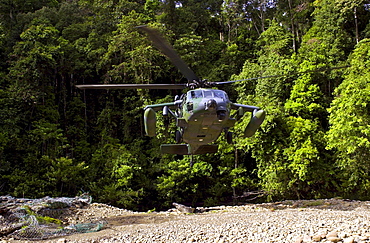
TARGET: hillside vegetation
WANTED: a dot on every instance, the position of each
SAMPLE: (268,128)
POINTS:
(57,140)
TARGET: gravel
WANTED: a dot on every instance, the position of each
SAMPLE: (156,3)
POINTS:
(331,220)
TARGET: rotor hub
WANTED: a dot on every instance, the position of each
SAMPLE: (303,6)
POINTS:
(200,84)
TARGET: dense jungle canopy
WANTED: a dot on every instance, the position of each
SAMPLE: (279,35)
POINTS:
(57,140)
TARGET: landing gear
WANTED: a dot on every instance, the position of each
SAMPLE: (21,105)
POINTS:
(178,136)
(229,137)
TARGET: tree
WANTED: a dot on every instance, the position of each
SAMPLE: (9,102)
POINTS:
(349,125)
(357,15)
(294,14)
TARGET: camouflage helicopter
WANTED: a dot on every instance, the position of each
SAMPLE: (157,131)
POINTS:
(201,114)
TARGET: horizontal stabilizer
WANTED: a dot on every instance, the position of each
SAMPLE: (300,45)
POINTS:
(183,149)
(207,149)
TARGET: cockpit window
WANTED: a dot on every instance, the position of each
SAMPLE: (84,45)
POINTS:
(196,94)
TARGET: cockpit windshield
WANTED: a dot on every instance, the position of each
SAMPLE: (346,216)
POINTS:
(208,93)
(193,94)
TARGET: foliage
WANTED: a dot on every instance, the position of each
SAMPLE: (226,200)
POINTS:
(181,182)
(57,140)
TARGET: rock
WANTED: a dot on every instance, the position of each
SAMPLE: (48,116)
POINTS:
(363,238)
(334,239)
(349,240)
(307,238)
(332,234)
(183,208)
(299,240)
(317,238)
(250,222)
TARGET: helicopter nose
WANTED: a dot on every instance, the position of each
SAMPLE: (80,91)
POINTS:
(211,105)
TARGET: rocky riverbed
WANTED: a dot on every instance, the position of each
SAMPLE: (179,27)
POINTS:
(330,220)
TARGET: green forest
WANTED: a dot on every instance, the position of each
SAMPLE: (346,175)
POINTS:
(57,140)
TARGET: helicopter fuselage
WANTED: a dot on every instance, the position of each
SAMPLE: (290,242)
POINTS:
(201,116)
(206,113)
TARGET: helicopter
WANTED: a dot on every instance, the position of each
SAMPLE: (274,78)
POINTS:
(201,114)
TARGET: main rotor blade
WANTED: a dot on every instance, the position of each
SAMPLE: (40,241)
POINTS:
(280,75)
(166,48)
(131,86)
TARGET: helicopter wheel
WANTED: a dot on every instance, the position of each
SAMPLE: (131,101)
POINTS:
(229,137)
(178,136)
